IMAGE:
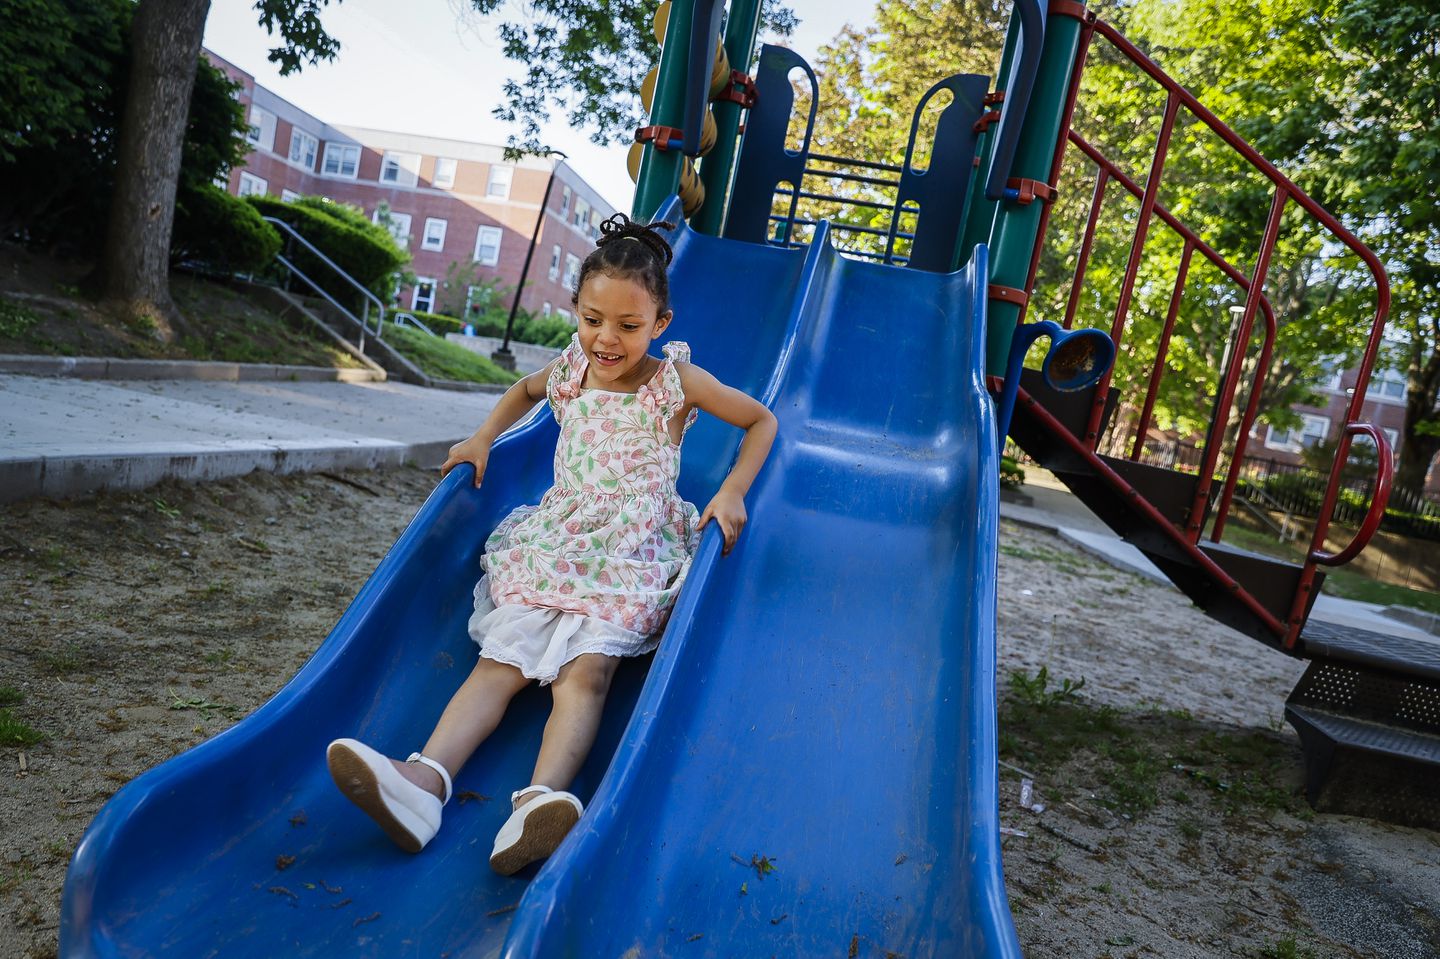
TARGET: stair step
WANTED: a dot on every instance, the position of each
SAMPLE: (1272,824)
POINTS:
(1371,736)
(1402,655)
(1271,581)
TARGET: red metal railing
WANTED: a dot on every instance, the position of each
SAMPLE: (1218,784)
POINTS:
(1285,193)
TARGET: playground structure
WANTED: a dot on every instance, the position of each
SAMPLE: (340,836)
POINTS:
(809,708)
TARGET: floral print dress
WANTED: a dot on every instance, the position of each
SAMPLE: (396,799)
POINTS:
(596,566)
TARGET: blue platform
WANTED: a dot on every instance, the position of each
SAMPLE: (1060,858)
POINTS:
(824,697)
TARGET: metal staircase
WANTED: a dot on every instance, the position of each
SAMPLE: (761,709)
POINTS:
(1368,708)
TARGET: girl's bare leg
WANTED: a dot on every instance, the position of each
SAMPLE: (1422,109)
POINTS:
(472,715)
(579,692)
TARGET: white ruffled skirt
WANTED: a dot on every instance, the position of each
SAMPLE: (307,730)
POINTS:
(538,641)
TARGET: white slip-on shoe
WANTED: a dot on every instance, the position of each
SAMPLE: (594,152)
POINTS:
(408,814)
(535,830)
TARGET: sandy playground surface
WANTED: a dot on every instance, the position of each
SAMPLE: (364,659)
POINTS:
(133,626)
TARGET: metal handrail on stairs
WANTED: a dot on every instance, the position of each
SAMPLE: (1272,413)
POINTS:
(363,320)
(402,319)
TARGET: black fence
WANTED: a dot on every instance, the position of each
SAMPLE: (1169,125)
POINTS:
(1300,491)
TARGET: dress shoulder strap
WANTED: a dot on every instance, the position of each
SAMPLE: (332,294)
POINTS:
(666,392)
(564,382)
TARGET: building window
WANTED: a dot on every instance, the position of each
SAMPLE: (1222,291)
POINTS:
(261,132)
(498,186)
(1387,385)
(251,185)
(555,262)
(487,245)
(398,224)
(1313,429)
(1393,437)
(572,271)
(565,315)
(342,159)
(303,148)
(289,196)
(434,234)
(422,298)
(546,309)
(565,203)
(401,169)
(594,224)
(582,213)
(444,173)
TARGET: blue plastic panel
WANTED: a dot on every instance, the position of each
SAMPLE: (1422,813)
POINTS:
(765,162)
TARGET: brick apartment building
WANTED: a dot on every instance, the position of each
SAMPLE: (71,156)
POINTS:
(450,201)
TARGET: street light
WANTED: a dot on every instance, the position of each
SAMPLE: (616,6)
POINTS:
(503,357)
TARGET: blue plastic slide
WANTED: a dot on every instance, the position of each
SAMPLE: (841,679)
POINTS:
(809,768)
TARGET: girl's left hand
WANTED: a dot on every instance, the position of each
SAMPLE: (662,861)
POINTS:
(727,509)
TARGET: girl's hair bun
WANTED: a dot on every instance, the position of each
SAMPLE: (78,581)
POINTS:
(621,227)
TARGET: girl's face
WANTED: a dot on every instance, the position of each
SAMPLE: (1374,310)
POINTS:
(618,321)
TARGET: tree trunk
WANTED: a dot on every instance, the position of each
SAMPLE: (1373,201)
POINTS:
(135,267)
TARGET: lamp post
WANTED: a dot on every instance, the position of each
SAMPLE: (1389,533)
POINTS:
(503,357)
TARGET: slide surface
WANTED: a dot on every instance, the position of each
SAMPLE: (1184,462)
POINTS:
(810,768)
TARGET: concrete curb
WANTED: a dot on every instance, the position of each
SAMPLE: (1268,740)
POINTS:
(115,368)
(64,477)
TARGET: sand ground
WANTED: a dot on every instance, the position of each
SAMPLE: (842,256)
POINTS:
(133,626)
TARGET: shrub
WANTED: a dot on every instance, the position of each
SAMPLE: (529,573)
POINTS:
(222,231)
(1012,474)
(362,249)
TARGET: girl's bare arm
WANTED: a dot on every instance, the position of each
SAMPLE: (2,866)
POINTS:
(515,403)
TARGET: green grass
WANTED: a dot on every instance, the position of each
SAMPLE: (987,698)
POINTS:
(444,360)
(1143,758)
(10,696)
(13,732)
(1344,583)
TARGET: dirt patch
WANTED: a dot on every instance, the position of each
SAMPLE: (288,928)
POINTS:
(133,626)
(43,311)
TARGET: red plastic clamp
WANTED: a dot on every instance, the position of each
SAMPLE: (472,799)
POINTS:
(993,99)
(1030,189)
(1069,8)
(745,95)
(1007,294)
(663,137)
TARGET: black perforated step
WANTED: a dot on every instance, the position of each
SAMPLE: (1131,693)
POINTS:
(1371,737)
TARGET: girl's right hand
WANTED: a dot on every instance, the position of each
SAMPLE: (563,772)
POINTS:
(474,451)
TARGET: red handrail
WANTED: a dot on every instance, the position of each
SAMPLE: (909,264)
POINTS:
(1374,516)
(1286,192)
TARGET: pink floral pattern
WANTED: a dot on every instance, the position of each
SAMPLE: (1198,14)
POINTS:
(612,538)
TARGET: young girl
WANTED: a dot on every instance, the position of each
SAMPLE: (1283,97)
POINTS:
(590,575)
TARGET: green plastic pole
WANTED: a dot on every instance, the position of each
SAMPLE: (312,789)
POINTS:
(1012,238)
(980,210)
(716,169)
(660,169)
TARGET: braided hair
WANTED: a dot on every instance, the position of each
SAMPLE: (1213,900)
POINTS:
(630,250)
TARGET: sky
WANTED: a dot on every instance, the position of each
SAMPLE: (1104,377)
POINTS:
(425,67)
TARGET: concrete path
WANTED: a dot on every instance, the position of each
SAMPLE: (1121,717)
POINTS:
(66,437)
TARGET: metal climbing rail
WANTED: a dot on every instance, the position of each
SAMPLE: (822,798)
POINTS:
(1284,193)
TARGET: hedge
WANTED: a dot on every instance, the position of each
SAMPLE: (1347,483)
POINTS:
(362,249)
(222,232)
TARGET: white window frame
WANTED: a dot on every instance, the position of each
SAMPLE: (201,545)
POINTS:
(437,227)
(1393,437)
(304,148)
(289,196)
(594,223)
(399,227)
(572,271)
(471,307)
(1387,386)
(1312,425)
(555,262)
(252,185)
(499,181)
(546,309)
(493,233)
(565,315)
(445,168)
(260,130)
(565,203)
(421,282)
(582,214)
(400,169)
(342,153)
